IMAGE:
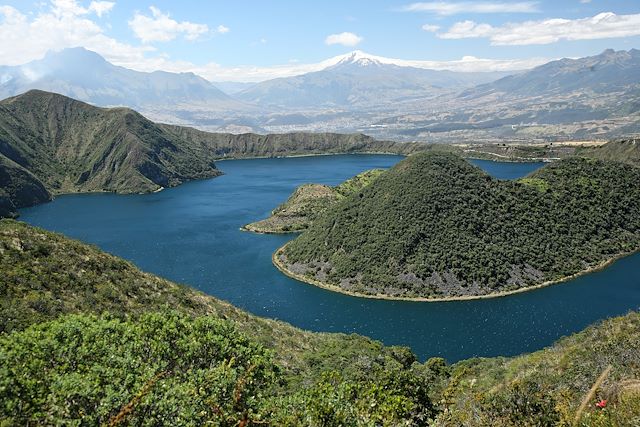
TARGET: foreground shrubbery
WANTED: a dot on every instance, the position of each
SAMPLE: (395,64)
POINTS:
(161,369)
(172,369)
(125,358)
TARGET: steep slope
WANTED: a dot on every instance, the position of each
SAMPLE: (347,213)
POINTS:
(87,76)
(71,146)
(18,188)
(308,202)
(359,81)
(435,226)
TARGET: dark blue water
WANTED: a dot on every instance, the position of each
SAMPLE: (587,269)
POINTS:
(190,234)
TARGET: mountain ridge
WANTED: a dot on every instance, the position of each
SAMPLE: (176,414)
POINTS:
(72,146)
(607,71)
(359,80)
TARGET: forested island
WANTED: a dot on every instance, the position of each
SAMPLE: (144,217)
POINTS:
(85,336)
(436,227)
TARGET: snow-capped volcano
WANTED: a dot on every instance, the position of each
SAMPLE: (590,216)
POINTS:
(360,80)
(361,59)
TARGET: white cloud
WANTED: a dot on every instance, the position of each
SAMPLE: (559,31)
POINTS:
(64,24)
(446,8)
(101,7)
(430,28)
(222,29)
(345,39)
(585,1)
(601,26)
(160,27)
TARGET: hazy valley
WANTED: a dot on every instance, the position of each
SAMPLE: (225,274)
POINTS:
(570,99)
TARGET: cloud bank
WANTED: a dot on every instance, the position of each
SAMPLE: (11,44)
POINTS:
(601,26)
(159,27)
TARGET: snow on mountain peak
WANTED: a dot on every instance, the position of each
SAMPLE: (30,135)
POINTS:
(359,58)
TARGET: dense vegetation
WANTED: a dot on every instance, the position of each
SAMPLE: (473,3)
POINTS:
(161,369)
(547,387)
(87,339)
(309,201)
(434,225)
(18,188)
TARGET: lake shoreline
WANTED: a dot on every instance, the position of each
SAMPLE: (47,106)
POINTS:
(248,229)
(493,156)
(55,194)
(275,258)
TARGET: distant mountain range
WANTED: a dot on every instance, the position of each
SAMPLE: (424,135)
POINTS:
(596,97)
(592,97)
(361,81)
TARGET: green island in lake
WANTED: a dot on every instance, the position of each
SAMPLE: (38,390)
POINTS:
(434,227)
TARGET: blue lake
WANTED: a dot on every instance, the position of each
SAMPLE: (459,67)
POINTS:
(190,234)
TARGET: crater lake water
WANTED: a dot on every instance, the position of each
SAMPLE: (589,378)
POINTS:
(190,234)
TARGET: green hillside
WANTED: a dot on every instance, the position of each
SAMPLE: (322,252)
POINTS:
(46,276)
(548,387)
(87,339)
(436,226)
(18,188)
(51,144)
(308,202)
(70,146)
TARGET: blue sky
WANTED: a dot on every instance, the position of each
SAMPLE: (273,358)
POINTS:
(222,39)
